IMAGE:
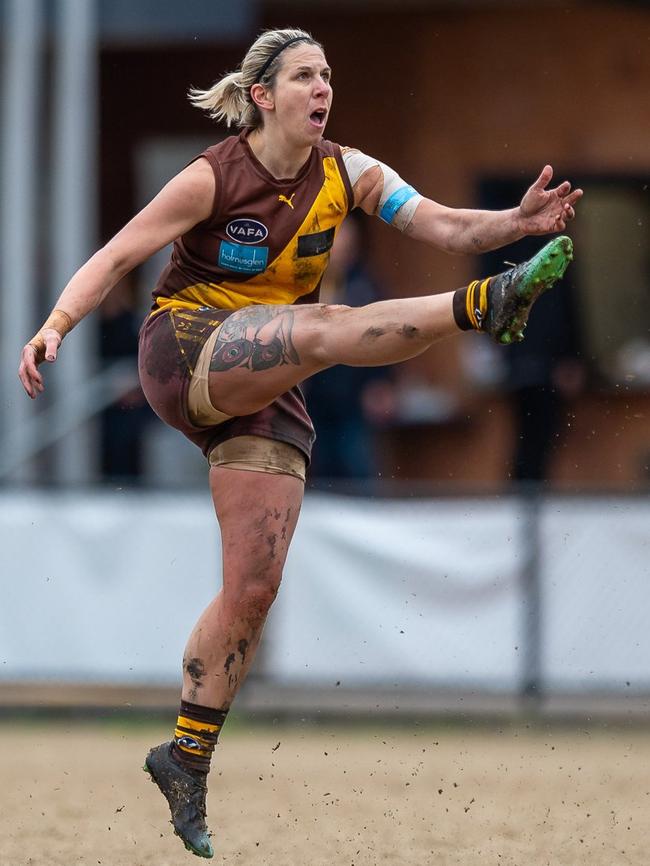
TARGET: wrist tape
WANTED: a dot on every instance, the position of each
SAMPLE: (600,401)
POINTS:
(58,321)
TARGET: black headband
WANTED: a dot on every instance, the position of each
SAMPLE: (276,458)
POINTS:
(277,51)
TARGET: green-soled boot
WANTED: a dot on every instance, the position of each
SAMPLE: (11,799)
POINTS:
(511,295)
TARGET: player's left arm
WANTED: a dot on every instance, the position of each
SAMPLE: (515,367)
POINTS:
(458,230)
(379,190)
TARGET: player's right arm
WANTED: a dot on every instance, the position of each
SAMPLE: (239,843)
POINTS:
(185,201)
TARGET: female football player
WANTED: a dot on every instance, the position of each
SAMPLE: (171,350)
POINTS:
(236,326)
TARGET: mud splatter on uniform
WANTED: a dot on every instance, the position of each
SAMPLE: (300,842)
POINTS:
(267,241)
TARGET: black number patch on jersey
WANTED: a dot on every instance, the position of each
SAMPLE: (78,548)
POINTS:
(315,245)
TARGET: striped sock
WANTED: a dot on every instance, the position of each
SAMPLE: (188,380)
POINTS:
(470,305)
(196,734)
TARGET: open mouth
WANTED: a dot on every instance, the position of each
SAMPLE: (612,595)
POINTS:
(318,117)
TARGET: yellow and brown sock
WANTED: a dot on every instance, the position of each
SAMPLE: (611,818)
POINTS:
(196,734)
(470,305)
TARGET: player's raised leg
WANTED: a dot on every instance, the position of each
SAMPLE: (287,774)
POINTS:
(257,514)
(262,351)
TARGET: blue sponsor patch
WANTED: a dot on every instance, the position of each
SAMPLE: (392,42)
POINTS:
(243,259)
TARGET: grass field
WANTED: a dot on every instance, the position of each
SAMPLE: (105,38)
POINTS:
(310,795)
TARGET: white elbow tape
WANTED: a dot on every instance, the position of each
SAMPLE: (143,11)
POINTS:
(398,200)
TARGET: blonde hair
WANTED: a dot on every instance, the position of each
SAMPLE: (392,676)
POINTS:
(229,99)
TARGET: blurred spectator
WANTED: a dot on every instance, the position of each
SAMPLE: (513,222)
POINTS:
(545,371)
(349,405)
(123,422)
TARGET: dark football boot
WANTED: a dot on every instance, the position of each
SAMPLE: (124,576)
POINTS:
(512,293)
(185,791)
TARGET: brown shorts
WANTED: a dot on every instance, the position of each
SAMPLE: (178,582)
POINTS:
(170,344)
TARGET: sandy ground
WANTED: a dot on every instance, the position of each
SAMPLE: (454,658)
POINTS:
(75,794)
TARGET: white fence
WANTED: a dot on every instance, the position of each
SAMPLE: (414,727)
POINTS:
(104,588)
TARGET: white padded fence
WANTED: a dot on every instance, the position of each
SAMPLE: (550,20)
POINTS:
(105,587)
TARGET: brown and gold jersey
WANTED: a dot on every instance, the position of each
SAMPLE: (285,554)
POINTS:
(267,240)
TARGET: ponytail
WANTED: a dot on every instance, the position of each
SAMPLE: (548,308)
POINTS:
(229,99)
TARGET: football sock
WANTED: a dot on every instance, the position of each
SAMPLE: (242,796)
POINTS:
(470,305)
(196,734)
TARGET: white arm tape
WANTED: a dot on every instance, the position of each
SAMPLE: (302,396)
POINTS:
(398,201)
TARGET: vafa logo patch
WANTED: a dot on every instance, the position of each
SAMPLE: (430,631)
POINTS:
(247,231)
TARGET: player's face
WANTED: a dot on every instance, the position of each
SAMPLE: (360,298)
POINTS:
(303,93)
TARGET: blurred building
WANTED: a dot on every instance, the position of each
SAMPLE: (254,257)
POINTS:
(351,407)
(95,119)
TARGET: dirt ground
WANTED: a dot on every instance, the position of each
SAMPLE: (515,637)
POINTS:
(309,796)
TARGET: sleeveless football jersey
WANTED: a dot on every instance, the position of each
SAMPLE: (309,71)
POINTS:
(267,240)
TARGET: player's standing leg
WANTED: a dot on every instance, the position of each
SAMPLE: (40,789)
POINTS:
(257,514)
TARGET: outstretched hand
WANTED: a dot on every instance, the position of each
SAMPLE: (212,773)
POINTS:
(44,348)
(543,211)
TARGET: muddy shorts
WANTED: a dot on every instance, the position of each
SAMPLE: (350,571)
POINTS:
(170,344)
